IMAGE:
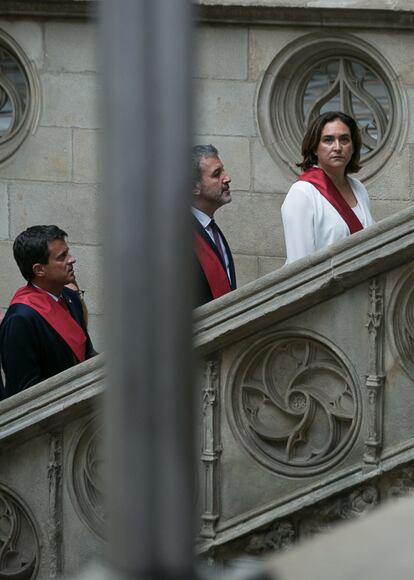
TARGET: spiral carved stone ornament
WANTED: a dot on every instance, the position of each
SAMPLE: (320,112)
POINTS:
(19,548)
(294,404)
(86,485)
(402,323)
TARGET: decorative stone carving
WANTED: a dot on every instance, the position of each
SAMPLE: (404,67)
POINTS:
(55,476)
(375,376)
(281,536)
(294,403)
(323,71)
(19,546)
(19,96)
(86,485)
(402,320)
(211,449)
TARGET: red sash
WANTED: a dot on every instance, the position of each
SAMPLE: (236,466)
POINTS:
(212,267)
(56,316)
(327,188)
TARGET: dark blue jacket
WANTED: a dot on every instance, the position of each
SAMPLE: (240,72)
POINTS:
(203,293)
(31,350)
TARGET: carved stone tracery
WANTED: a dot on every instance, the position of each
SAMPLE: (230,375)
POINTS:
(19,547)
(294,404)
(402,322)
(86,481)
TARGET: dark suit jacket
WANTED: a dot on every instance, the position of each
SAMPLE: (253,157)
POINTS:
(203,292)
(31,350)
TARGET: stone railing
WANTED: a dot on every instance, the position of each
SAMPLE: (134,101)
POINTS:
(50,492)
(308,381)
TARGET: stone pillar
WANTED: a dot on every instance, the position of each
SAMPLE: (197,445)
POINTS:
(147,111)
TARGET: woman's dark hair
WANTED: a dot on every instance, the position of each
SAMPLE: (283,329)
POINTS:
(313,136)
(32,247)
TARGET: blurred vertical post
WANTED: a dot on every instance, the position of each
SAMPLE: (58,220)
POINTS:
(147,112)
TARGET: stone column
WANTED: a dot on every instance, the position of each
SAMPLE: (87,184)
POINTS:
(147,111)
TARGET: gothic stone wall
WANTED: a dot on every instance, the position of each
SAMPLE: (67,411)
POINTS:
(53,177)
(233,62)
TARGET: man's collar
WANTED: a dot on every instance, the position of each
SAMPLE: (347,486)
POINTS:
(55,298)
(202,217)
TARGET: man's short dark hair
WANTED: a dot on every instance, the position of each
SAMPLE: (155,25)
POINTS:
(31,247)
(198,153)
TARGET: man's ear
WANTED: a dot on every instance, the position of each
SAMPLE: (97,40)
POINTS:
(38,270)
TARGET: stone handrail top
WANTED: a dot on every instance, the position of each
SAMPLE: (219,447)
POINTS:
(295,287)
(75,387)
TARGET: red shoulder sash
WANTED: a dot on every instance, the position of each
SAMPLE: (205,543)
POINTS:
(56,316)
(326,187)
(212,267)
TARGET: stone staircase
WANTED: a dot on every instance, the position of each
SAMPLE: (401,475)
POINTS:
(51,514)
(306,407)
(308,394)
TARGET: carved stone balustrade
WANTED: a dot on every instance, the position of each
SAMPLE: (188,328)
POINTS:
(308,387)
(51,497)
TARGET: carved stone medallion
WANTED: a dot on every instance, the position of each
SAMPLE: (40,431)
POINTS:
(86,481)
(402,312)
(294,404)
(19,547)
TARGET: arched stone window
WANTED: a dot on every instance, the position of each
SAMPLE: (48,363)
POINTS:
(19,96)
(318,73)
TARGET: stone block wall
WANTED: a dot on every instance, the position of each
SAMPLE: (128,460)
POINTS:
(232,59)
(53,178)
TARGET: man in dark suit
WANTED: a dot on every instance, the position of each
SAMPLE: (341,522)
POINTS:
(215,272)
(43,332)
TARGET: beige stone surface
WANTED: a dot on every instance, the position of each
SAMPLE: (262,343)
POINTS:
(70,46)
(252,224)
(382,208)
(96,330)
(235,154)
(70,100)
(221,56)
(377,547)
(10,277)
(397,49)
(29,36)
(268,175)
(44,156)
(410,95)
(4,213)
(71,207)
(265,43)
(393,181)
(86,156)
(268,265)
(224,108)
(366,4)
(246,269)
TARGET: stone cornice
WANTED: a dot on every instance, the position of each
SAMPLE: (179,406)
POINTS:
(281,14)
(68,394)
(307,282)
(49,8)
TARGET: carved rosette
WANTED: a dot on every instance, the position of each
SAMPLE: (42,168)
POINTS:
(294,403)
(375,376)
(86,482)
(402,321)
(19,546)
(210,450)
